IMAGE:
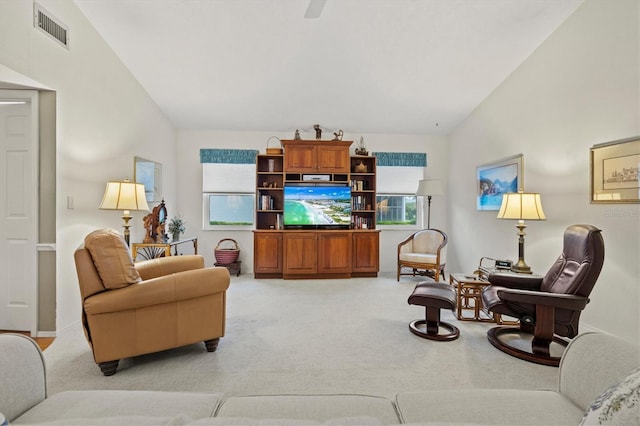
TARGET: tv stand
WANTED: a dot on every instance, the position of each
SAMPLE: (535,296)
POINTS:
(281,252)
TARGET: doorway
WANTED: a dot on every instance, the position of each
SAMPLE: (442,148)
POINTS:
(19,210)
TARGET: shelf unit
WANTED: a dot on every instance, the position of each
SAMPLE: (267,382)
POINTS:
(363,192)
(315,253)
(269,195)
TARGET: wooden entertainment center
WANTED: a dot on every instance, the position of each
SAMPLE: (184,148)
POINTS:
(315,253)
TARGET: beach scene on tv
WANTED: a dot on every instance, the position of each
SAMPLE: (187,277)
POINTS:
(317,205)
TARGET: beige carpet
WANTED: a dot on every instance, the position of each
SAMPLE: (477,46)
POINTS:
(309,336)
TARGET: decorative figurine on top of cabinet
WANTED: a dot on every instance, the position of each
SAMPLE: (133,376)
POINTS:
(318,130)
(338,135)
(361,149)
(297,137)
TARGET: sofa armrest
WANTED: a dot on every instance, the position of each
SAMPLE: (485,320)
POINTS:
(153,268)
(22,375)
(591,363)
(165,289)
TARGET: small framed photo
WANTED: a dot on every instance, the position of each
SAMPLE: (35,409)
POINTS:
(614,172)
(497,178)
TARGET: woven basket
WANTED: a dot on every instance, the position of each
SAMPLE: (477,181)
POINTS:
(274,151)
(226,255)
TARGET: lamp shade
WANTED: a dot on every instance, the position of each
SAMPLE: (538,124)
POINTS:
(428,187)
(124,195)
(521,206)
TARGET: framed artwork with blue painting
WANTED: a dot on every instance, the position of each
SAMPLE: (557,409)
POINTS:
(497,178)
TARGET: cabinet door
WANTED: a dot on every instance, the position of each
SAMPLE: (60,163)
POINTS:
(366,257)
(333,158)
(334,252)
(267,253)
(300,253)
(300,159)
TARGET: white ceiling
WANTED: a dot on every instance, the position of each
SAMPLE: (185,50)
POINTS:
(364,66)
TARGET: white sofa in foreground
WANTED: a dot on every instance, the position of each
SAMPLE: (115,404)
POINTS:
(592,363)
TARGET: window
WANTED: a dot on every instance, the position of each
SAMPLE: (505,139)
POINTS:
(228,185)
(228,211)
(395,210)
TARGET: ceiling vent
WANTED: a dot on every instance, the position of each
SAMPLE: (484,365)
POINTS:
(50,25)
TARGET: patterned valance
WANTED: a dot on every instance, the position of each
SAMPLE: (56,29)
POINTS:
(401,159)
(228,156)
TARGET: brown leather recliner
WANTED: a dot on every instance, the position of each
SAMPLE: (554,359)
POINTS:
(548,306)
(134,309)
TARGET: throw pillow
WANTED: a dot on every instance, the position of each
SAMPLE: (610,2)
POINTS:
(111,258)
(618,405)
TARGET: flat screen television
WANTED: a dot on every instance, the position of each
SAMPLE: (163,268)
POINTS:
(317,206)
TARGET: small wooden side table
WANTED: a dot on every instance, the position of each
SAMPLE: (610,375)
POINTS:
(234,268)
(155,250)
(469,295)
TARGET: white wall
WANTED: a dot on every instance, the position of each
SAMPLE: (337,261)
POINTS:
(190,183)
(104,119)
(580,88)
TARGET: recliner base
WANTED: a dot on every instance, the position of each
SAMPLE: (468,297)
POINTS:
(540,348)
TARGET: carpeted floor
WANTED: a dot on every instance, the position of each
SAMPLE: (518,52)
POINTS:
(309,336)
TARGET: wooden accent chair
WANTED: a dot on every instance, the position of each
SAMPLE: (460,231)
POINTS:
(134,309)
(548,306)
(425,252)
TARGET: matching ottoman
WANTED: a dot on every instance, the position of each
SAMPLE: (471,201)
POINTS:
(434,296)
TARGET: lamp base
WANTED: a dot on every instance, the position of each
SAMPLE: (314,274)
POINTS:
(521,267)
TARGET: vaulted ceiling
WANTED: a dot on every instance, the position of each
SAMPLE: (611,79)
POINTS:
(366,66)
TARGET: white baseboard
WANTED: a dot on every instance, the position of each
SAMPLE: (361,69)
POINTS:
(57,333)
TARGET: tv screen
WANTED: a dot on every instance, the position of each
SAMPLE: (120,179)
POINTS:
(317,206)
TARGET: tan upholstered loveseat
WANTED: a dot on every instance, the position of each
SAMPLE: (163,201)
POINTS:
(591,363)
(133,309)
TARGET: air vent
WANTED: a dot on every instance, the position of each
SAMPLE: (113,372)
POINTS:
(50,25)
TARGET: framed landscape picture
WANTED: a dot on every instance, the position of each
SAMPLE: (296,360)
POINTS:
(497,178)
(614,171)
(148,173)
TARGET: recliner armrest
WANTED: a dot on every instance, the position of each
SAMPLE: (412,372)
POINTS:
(554,300)
(520,281)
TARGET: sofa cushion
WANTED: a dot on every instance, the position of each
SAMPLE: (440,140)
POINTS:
(112,258)
(250,421)
(618,405)
(488,406)
(103,404)
(318,408)
(180,420)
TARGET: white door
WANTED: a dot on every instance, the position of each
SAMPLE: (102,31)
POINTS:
(18,210)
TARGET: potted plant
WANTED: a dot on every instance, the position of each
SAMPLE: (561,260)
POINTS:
(176,227)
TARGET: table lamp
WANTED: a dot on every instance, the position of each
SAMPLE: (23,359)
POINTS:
(126,196)
(521,206)
(427,188)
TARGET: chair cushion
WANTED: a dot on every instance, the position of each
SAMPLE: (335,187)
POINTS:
(418,258)
(111,258)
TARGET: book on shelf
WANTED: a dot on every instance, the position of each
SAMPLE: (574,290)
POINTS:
(359,222)
(265,202)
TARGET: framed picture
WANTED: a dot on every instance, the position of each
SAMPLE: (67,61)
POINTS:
(497,178)
(614,171)
(149,173)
